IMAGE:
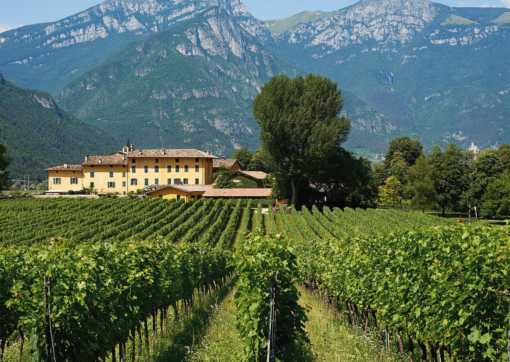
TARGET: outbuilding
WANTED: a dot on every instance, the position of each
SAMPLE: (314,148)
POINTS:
(187,192)
(237,193)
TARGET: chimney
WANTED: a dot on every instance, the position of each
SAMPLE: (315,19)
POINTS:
(163,151)
(66,165)
(207,151)
(140,152)
(100,161)
(123,157)
(223,158)
(86,158)
(132,147)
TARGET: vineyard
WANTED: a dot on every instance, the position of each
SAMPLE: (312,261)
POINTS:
(82,277)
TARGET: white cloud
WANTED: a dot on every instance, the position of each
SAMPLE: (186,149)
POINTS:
(5,27)
(506,3)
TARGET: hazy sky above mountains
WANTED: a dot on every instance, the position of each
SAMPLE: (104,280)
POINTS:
(25,12)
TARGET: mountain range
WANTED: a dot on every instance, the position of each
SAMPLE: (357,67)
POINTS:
(39,134)
(183,73)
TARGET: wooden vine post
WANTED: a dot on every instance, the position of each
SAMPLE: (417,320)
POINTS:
(272,319)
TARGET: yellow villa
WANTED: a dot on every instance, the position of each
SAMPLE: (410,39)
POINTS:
(130,170)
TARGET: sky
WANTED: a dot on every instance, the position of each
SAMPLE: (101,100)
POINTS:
(25,12)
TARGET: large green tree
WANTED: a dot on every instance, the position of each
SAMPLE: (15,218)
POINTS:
(503,153)
(244,156)
(258,161)
(486,169)
(453,167)
(224,179)
(4,163)
(300,126)
(497,197)
(420,184)
(407,150)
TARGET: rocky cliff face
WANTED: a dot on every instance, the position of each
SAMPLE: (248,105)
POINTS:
(424,66)
(386,21)
(191,86)
(38,50)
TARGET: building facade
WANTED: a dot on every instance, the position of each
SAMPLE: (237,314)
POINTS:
(129,170)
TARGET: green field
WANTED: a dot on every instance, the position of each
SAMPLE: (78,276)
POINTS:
(153,277)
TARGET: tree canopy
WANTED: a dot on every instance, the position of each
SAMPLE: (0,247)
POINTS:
(244,156)
(420,188)
(300,126)
(408,151)
(452,166)
(224,179)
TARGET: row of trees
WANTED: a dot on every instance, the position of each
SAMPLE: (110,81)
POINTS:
(302,132)
(451,179)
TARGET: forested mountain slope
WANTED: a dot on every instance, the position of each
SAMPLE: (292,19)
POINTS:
(39,134)
(440,72)
(191,86)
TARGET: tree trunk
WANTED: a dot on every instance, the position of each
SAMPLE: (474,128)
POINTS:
(294,191)
(423,351)
(443,210)
(22,342)
(147,338)
(2,349)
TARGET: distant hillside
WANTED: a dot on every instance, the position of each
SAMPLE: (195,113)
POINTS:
(441,73)
(277,26)
(49,56)
(193,86)
(39,134)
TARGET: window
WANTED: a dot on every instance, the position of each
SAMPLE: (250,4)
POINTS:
(185,181)
(111,174)
(178,197)
(196,168)
(156,181)
(176,160)
(146,182)
(160,196)
(146,169)
(92,175)
(56,181)
(186,168)
(169,168)
(111,185)
(91,184)
(123,174)
(111,165)
(176,168)
(177,181)
(134,182)
(197,181)
(196,159)
(133,169)
(92,166)
(133,161)
(74,181)
(156,168)
(123,183)
(157,160)
(169,181)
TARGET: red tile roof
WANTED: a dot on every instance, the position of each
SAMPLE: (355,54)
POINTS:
(105,160)
(185,188)
(227,163)
(162,153)
(237,193)
(64,168)
(256,175)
